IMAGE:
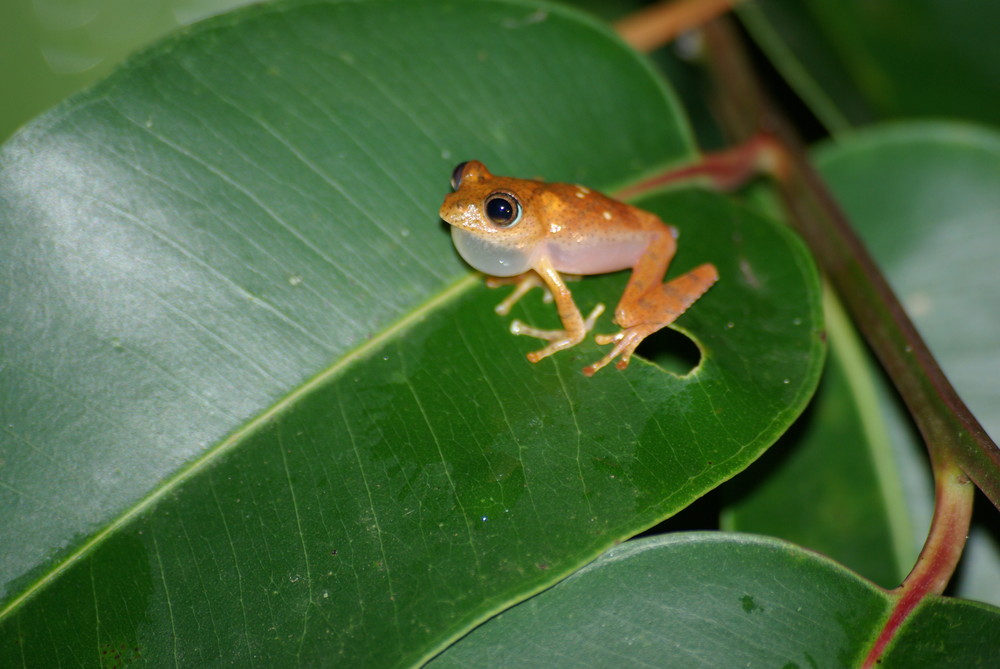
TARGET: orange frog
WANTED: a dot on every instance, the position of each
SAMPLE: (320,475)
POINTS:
(527,229)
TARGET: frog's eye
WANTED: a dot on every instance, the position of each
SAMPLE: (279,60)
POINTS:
(503,209)
(456,175)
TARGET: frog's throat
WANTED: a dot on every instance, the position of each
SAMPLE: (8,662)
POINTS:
(489,257)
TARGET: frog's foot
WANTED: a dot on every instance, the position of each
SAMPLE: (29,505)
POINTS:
(625,341)
(559,339)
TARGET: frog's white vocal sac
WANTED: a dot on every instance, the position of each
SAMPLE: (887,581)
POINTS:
(526,230)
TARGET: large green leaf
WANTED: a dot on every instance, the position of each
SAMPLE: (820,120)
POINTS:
(256,410)
(838,457)
(720,600)
(854,61)
(49,50)
(932,224)
(923,196)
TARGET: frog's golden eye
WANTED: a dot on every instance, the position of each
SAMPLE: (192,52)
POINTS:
(456,175)
(503,209)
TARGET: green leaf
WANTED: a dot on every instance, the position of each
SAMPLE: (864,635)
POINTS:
(254,407)
(946,633)
(718,600)
(854,61)
(49,50)
(931,224)
(838,457)
(923,197)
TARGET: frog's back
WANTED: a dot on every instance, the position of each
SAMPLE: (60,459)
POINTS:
(590,233)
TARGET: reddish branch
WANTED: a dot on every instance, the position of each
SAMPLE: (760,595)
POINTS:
(959,447)
(937,560)
(662,22)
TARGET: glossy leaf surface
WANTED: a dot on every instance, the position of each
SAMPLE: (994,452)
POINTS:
(718,600)
(932,224)
(923,197)
(830,483)
(256,409)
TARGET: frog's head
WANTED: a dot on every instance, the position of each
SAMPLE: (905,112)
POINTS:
(492,227)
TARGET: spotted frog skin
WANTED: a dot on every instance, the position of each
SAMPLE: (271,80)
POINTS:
(526,232)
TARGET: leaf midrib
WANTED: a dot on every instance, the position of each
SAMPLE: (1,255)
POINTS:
(392,330)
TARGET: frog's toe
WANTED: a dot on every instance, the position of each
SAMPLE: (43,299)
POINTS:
(625,343)
(588,323)
(519,328)
(604,340)
(623,346)
(557,345)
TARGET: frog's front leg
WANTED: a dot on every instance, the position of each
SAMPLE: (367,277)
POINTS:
(575,327)
(523,283)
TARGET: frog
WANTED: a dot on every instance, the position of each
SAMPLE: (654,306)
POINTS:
(532,233)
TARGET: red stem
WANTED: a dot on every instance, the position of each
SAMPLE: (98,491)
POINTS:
(958,445)
(939,557)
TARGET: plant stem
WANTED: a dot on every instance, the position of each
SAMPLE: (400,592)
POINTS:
(662,22)
(959,447)
(767,141)
(939,557)
(948,428)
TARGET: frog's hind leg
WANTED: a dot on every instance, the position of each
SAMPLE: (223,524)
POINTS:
(672,299)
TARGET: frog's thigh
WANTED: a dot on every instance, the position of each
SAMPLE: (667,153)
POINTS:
(663,304)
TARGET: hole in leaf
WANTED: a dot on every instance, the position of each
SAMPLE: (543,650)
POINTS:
(672,350)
